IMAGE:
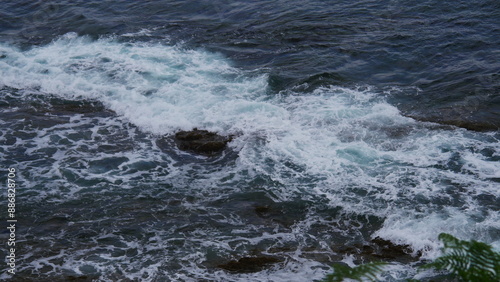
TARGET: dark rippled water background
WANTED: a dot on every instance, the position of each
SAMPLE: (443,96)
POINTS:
(353,120)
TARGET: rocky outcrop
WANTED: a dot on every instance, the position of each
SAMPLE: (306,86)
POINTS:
(379,249)
(385,249)
(463,122)
(201,142)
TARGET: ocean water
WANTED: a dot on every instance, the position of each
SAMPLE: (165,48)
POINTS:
(352,120)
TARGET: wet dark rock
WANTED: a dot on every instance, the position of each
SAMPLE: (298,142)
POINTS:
(258,208)
(281,213)
(79,278)
(473,124)
(201,142)
(379,249)
(39,114)
(66,107)
(385,249)
(249,264)
(262,211)
(56,107)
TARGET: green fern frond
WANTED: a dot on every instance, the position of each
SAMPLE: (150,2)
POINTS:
(368,271)
(470,260)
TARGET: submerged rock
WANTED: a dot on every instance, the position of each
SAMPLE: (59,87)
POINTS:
(467,123)
(379,249)
(262,211)
(249,264)
(78,107)
(201,142)
(81,278)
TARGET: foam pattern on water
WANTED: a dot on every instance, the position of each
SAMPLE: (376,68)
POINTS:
(159,88)
(341,159)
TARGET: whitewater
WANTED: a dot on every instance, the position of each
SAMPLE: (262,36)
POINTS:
(341,164)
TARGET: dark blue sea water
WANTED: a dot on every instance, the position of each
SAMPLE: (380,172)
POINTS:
(351,120)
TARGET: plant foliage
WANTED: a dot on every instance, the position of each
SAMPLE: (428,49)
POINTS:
(470,260)
(368,271)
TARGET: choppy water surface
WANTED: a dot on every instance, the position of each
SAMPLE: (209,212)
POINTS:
(344,117)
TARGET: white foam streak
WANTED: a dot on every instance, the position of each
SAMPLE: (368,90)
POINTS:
(159,88)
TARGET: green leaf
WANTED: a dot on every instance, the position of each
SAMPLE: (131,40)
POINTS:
(470,260)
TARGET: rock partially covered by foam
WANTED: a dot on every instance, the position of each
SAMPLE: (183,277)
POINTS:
(249,264)
(379,249)
(201,142)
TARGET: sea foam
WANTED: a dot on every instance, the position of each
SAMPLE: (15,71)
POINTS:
(346,145)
